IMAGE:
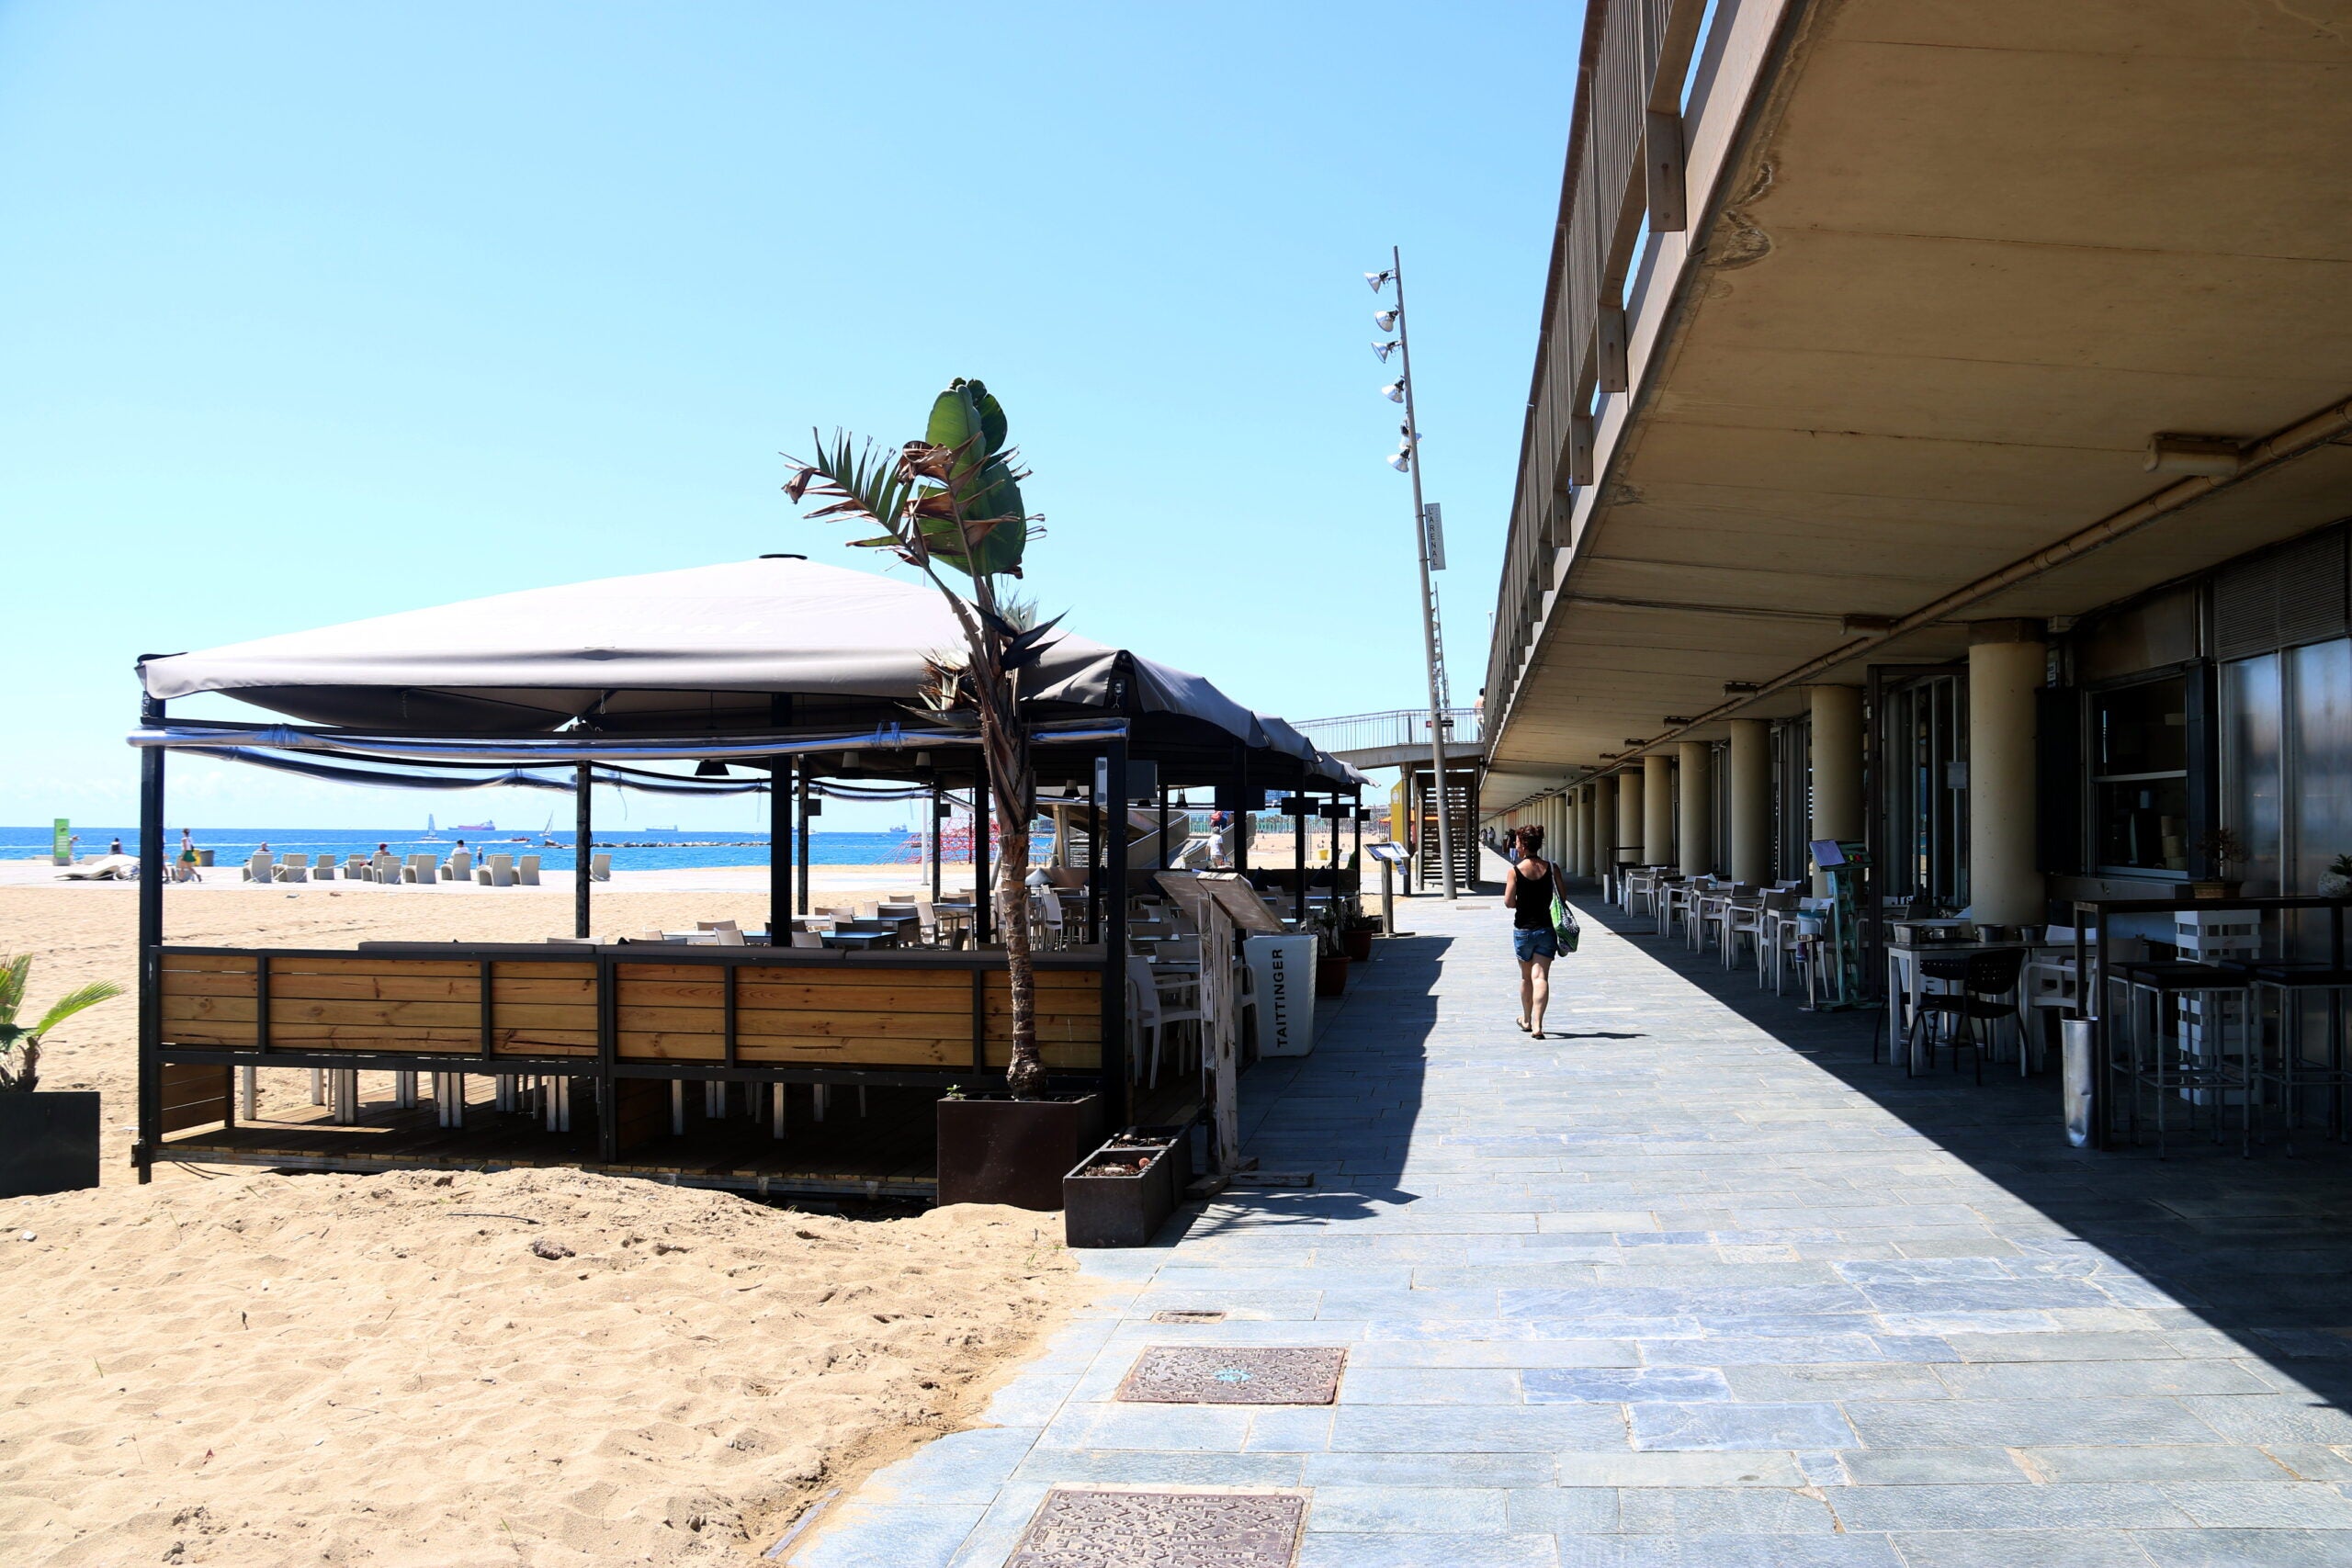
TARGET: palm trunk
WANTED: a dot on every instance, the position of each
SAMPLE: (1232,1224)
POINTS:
(1006,747)
(1025,1074)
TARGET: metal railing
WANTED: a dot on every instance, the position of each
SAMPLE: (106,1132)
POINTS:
(1623,178)
(1379,731)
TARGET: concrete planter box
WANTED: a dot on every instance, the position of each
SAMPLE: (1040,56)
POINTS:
(1101,1208)
(996,1149)
(49,1142)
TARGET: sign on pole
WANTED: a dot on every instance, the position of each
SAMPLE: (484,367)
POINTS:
(61,842)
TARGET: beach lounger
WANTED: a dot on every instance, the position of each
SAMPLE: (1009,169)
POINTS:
(460,867)
(421,869)
(526,871)
(324,870)
(292,869)
(496,871)
(258,869)
(102,868)
(600,868)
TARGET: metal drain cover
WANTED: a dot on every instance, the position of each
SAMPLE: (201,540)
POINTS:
(1188,1314)
(1133,1527)
(1230,1374)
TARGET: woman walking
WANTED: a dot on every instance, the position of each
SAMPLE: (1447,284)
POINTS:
(1527,893)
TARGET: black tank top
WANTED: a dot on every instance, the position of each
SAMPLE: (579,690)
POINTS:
(1533,910)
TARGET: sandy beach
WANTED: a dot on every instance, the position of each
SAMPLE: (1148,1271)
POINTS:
(249,1370)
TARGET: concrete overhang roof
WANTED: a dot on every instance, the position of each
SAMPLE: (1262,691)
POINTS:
(1972,259)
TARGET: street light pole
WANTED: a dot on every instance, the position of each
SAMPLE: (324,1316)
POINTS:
(1412,450)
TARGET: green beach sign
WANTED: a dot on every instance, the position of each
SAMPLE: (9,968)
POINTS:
(61,842)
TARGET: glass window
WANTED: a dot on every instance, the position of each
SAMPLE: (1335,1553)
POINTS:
(2139,777)
(2322,683)
(2251,695)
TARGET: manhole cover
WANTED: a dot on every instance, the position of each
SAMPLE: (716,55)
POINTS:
(1187,1314)
(1103,1528)
(1227,1374)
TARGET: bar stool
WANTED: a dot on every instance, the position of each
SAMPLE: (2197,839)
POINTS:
(1984,979)
(2191,1065)
(2291,983)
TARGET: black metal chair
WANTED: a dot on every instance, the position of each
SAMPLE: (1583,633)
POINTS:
(1987,982)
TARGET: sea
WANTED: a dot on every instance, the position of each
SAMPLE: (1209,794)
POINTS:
(632,849)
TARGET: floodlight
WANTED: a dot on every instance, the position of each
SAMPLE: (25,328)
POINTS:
(1379,280)
(1395,390)
(1402,460)
(1386,320)
(1384,349)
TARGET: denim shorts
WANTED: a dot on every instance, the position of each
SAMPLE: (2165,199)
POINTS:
(1533,945)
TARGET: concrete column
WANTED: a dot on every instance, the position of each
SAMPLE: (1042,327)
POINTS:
(1589,828)
(1571,814)
(1628,840)
(1836,766)
(1695,816)
(2005,664)
(1658,810)
(1749,781)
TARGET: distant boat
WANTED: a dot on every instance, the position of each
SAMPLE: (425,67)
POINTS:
(671,829)
(474,828)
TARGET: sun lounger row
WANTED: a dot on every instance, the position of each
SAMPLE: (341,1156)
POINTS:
(488,871)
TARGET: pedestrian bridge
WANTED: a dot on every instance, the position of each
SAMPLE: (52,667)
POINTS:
(1398,737)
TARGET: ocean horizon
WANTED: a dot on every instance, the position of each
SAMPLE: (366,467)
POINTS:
(632,849)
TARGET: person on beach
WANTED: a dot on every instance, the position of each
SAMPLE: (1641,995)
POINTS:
(1527,894)
(188,872)
(115,848)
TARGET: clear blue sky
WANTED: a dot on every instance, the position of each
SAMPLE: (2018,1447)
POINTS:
(312,312)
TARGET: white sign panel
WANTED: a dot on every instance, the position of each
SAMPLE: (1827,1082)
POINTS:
(1281,968)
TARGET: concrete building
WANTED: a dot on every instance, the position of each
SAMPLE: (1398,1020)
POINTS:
(1940,436)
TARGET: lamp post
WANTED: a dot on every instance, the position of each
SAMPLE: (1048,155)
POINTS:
(1407,460)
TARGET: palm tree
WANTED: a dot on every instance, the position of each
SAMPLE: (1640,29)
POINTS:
(952,500)
(21,1046)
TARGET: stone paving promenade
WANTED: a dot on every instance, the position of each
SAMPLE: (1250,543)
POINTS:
(1695,1285)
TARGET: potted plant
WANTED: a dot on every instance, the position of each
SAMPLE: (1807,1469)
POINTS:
(1122,1193)
(2335,882)
(49,1139)
(1330,957)
(1356,931)
(950,504)
(2226,851)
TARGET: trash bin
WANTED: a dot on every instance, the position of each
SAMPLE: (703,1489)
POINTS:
(2074,1051)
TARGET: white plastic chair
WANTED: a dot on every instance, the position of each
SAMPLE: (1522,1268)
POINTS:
(258,868)
(496,871)
(1044,917)
(600,868)
(526,871)
(1148,1010)
(293,868)
(460,867)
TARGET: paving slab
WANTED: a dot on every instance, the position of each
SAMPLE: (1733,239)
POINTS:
(1693,1285)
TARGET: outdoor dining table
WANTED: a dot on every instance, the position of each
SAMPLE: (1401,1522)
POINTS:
(1906,982)
(859,940)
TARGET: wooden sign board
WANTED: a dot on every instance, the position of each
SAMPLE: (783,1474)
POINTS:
(1229,890)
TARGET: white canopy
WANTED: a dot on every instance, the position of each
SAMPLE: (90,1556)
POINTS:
(713,645)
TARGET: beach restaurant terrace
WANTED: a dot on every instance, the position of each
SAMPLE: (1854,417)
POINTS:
(805,1057)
